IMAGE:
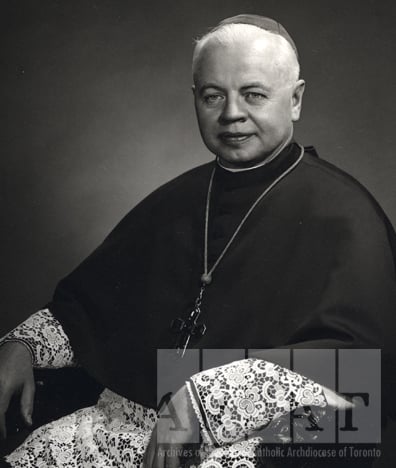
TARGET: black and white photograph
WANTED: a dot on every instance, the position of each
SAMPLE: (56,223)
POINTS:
(198,247)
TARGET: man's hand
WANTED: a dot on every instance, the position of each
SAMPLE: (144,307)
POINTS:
(16,376)
(336,400)
(175,433)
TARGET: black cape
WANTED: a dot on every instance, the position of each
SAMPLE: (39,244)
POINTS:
(313,267)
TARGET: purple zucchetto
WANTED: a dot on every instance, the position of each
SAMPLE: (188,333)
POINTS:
(262,22)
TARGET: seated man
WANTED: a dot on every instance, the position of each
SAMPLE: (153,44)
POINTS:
(266,247)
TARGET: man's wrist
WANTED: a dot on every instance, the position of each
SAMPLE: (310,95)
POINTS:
(18,346)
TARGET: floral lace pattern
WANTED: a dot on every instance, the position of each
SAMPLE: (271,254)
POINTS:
(247,395)
(114,432)
(238,455)
(43,335)
(230,401)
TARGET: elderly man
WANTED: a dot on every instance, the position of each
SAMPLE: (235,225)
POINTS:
(266,247)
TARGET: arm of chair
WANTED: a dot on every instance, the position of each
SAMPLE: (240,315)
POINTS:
(58,392)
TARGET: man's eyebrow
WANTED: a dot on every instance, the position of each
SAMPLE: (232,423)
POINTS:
(210,85)
(256,84)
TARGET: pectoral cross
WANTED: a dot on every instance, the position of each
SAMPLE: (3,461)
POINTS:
(189,327)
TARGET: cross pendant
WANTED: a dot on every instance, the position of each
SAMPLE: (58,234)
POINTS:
(189,327)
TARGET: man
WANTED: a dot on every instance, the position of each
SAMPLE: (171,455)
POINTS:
(268,247)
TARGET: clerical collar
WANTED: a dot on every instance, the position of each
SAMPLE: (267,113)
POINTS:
(225,179)
(261,164)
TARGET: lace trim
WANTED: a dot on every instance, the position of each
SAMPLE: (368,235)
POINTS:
(247,395)
(239,455)
(43,335)
(114,432)
(204,432)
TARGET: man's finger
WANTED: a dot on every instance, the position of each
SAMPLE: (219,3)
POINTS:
(173,462)
(160,456)
(27,400)
(336,400)
(149,454)
(3,429)
(148,457)
(172,459)
(4,402)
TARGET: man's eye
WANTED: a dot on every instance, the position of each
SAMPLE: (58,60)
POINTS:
(254,97)
(213,98)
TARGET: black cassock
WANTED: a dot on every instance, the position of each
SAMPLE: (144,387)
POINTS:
(312,267)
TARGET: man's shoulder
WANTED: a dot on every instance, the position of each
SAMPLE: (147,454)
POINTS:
(187,184)
(178,194)
(180,190)
(335,194)
(342,188)
(188,179)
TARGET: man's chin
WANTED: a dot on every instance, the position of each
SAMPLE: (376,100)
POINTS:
(241,161)
(249,156)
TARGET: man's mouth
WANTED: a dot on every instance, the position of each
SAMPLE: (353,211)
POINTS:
(234,137)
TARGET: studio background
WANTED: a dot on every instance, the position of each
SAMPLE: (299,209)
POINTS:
(97,111)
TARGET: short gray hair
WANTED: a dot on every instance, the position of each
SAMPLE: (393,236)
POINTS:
(231,33)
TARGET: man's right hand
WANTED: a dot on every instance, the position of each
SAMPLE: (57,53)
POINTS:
(16,377)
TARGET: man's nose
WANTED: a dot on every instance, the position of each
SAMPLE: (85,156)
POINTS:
(232,111)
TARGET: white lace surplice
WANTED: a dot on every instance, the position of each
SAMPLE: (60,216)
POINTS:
(116,431)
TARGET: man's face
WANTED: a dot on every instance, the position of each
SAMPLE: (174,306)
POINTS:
(245,101)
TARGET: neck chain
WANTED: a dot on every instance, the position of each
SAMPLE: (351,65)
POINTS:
(190,327)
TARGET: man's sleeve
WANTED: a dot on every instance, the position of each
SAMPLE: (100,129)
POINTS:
(45,339)
(233,400)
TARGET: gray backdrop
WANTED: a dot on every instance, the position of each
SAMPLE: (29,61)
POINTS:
(97,112)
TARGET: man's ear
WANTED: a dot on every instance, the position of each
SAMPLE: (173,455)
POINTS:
(297,96)
(193,89)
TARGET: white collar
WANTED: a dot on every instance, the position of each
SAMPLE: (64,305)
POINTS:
(261,164)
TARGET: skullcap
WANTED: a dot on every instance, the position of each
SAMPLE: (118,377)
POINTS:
(262,22)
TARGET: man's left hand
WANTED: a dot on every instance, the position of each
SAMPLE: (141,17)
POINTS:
(174,435)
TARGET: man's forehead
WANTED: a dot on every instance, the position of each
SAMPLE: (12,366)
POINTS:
(257,42)
(264,51)
(220,71)
(263,22)
(234,46)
